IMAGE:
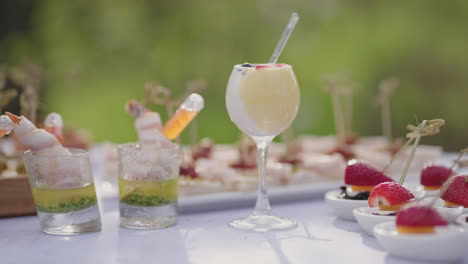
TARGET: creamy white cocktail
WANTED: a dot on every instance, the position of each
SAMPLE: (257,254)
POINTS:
(262,100)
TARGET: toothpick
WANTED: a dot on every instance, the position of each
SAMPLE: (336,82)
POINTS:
(195,86)
(426,128)
(401,150)
(386,89)
(460,155)
(334,90)
(348,89)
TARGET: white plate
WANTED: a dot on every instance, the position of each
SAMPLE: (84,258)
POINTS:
(343,208)
(367,220)
(461,220)
(445,245)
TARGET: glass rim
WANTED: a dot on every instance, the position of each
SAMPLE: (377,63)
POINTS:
(285,65)
(135,145)
(75,153)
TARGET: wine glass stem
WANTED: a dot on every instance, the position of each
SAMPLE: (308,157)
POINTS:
(262,206)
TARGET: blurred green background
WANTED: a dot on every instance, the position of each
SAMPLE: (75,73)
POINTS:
(98,54)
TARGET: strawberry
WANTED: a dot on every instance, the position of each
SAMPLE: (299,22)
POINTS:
(389,196)
(260,66)
(344,151)
(188,171)
(362,174)
(419,219)
(455,191)
(434,176)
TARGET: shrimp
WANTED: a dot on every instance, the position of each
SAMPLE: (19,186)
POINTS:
(148,126)
(153,136)
(39,141)
(61,173)
(53,124)
(6,125)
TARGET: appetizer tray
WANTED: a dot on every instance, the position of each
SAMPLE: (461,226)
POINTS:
(277,195)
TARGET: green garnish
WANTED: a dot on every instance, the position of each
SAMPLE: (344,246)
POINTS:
(145,200)
(71,206)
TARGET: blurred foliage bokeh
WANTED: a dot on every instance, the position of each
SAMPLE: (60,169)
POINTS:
(97,54)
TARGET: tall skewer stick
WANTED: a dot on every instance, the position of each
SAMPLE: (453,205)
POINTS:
(426,128)
(334,89)
(386,89)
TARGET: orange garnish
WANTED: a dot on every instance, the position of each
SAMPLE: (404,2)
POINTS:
(415,229)
(358,188)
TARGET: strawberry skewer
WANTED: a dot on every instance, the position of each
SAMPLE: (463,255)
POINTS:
(390,196)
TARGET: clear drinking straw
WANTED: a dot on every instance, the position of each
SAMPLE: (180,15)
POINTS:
(284,37)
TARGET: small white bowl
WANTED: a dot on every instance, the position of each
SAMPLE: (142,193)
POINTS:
(445,245)
(367,220)
(461,220)
(450,212)
(343,208)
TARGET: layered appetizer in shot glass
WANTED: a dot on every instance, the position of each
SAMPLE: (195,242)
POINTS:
(61,179)
(149,169)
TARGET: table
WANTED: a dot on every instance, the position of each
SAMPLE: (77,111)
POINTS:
(198,238)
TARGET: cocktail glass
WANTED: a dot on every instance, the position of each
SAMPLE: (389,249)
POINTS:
(262,100)
(63,192)
(148,185)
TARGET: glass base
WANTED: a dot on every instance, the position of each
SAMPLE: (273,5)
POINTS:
(263,223)
(148,223)
(71,223)
(69,230)
(140,217)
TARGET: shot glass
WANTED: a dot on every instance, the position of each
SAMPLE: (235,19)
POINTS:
(148,185)
(63,192)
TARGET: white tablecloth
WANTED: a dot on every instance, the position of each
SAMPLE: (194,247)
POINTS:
(198,238)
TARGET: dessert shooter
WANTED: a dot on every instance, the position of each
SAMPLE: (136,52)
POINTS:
(61,179)
(149,169)
(263,100)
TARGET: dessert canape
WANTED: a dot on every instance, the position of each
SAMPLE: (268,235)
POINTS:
(433,176)
(384,201)
(362,178)
(388,197)
(419,220)
(455,191)
(421,233)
